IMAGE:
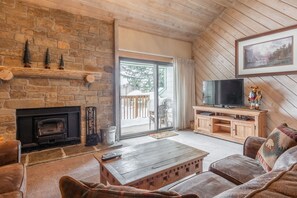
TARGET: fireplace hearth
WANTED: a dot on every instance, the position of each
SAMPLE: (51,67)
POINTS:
(48,127)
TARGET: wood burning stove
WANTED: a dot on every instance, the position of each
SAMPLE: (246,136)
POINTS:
(50,126)
(45,127)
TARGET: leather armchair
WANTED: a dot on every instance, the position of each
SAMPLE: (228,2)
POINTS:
(10,152)
(12,171)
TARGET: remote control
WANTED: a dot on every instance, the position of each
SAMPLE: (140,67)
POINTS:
(108,156)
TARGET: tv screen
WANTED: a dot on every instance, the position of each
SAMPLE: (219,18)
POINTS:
(224,92)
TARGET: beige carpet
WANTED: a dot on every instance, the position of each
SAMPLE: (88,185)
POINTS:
(38,157)
(164,134)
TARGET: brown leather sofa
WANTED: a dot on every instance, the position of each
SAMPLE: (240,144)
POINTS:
(235,176)
(12,171)
(243,176)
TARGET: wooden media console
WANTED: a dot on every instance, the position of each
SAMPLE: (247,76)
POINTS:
(234,124)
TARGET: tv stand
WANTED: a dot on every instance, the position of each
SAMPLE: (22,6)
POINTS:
(234,124)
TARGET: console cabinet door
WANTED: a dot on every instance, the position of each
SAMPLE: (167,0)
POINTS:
(242,130)
(202,123)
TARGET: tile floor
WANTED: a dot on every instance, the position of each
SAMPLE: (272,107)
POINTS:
(43,179)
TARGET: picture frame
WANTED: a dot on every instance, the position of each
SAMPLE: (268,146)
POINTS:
(268,53)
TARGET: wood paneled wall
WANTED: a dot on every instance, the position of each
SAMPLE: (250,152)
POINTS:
(214,53)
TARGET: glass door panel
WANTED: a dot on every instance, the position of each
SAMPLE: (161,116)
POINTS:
(165,92)
(146,87)
(137,96)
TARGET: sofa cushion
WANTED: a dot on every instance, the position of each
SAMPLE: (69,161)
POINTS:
(71,188)
(280,139)
(12,178)
(204,185)
(278,183)
(237,168)
(286,160)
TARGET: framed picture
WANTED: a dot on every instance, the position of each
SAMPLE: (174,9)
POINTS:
(269,53)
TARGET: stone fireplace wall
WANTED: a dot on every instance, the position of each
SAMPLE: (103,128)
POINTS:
(86,44)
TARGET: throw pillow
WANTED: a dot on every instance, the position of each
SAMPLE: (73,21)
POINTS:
(71,188)
(280,139)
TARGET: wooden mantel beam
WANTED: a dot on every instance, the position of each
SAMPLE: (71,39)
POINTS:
(50,73)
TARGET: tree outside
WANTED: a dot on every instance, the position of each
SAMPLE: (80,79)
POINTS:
(142,77)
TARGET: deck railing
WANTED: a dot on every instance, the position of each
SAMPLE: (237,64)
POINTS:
(134,106)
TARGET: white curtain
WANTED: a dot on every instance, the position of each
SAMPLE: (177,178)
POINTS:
(184,92)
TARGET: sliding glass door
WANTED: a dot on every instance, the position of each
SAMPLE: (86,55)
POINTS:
(141,82)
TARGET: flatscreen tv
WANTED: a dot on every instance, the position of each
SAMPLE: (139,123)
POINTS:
(223,92)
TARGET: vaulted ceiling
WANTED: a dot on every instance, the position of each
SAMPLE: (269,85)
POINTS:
(181,19)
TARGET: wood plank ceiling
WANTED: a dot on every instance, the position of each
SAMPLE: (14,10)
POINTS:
(181,19)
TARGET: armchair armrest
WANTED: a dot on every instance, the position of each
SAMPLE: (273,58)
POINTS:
(252,145)
(10,152)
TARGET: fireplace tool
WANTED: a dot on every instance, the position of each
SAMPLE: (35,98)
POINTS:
(92,137)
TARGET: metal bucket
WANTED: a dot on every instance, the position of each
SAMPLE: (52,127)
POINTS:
(108,135)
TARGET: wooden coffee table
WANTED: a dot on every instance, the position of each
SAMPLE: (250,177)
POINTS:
(151,165)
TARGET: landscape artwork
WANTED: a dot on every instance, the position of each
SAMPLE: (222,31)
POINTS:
(278,52)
